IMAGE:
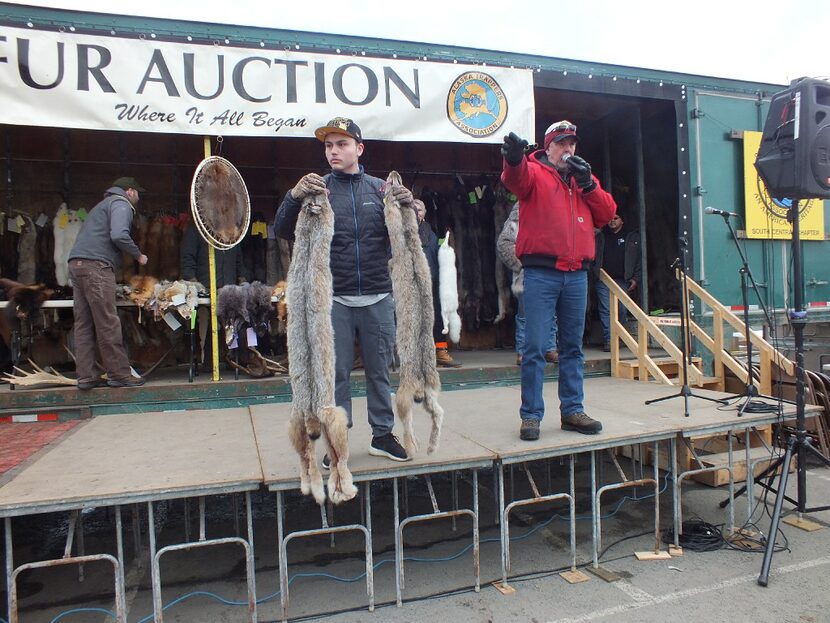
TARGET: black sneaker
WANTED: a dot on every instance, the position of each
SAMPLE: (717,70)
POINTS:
(529,430)
(387,445)
(130,381)
(326,462)
(581,423)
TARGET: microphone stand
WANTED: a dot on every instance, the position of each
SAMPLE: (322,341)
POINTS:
(685,339)
(751,390)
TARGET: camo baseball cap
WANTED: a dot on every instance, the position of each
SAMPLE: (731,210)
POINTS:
(339,125)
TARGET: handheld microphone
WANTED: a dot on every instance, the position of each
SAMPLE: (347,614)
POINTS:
(711,210)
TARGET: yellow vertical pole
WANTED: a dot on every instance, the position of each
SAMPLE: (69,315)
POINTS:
(214,329)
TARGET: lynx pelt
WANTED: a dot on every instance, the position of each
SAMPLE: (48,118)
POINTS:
(412,289)
(311,355)
(448,290)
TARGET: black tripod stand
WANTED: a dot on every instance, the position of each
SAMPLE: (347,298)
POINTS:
(751,390)
(685,338)
(798,443)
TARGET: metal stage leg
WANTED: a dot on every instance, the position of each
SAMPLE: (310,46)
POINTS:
(283,567)
(597,500)
(136,525)
(436,514)
(119,540)
(537,498)
(325,530)
(678,523)
(247,546)
(12,574)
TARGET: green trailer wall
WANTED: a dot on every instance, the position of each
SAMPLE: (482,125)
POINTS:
(716,122)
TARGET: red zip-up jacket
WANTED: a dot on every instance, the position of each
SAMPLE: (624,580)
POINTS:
(556,221)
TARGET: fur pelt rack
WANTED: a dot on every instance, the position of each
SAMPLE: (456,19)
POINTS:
(415,316)
(311,355)
(247,304)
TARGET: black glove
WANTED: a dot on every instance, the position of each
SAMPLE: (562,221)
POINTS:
(513,149)
(581,171)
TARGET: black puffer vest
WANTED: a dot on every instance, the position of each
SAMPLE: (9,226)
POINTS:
(360,247)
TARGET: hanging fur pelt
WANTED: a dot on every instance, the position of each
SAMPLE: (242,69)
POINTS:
(412,289)
(66,226)
(311,355)
(448,290)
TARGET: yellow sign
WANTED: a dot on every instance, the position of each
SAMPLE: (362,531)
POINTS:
(766,217)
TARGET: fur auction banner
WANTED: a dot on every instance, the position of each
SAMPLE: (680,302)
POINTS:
(139,84)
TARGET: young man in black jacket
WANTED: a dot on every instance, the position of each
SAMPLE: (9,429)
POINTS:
(618,252)
(363,305)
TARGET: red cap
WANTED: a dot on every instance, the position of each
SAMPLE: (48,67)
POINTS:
(559,130)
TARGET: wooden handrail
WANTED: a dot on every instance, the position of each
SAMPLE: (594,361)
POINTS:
(765,349)
(723,359)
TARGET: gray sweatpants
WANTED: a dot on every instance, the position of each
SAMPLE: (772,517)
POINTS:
(374,326)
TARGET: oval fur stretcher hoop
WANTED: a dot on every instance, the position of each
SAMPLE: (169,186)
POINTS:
(219,202)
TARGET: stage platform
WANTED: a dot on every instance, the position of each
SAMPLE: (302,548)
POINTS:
(148,457)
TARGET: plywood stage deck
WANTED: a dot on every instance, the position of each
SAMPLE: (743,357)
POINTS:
(121,459)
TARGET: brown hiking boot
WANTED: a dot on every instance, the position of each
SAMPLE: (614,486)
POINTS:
(529,430)
(581,423)
(552,356)
(442,358)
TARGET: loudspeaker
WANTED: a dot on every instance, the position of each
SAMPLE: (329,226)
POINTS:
(794,155)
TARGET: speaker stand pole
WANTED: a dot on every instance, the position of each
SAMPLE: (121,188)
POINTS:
(798,443)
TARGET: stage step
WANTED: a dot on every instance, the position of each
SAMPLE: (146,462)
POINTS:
(630,368)
(739,467)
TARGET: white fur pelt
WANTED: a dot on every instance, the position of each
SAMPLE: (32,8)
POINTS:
(311,355)
(66,227)
(448,290)
(412,289)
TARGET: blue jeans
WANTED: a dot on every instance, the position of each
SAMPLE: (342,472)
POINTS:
(520,328)
(548,291)
(603,305)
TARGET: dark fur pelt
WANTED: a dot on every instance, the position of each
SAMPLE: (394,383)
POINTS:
(260,309)
(45,257)
(24,302)
(232,306)
(254,253)
(311,355)
(412,289)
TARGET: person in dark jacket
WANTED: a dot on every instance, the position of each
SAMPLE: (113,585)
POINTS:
(561,204)
(363,305)
(194,264)
(103,239)
(618,253)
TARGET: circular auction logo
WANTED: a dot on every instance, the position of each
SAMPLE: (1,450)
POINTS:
(780,208)
(476,105)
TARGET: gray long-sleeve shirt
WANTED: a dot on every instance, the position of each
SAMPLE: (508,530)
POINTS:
(105,234)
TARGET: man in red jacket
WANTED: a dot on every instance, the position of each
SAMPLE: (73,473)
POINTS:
(561,203)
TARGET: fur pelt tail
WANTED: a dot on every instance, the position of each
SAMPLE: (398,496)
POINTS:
(448,290)
(412,290)
(311,354)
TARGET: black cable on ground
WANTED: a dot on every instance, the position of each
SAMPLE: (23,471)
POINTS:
(697,536)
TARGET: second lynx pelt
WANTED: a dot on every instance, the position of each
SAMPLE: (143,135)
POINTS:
(412,289)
